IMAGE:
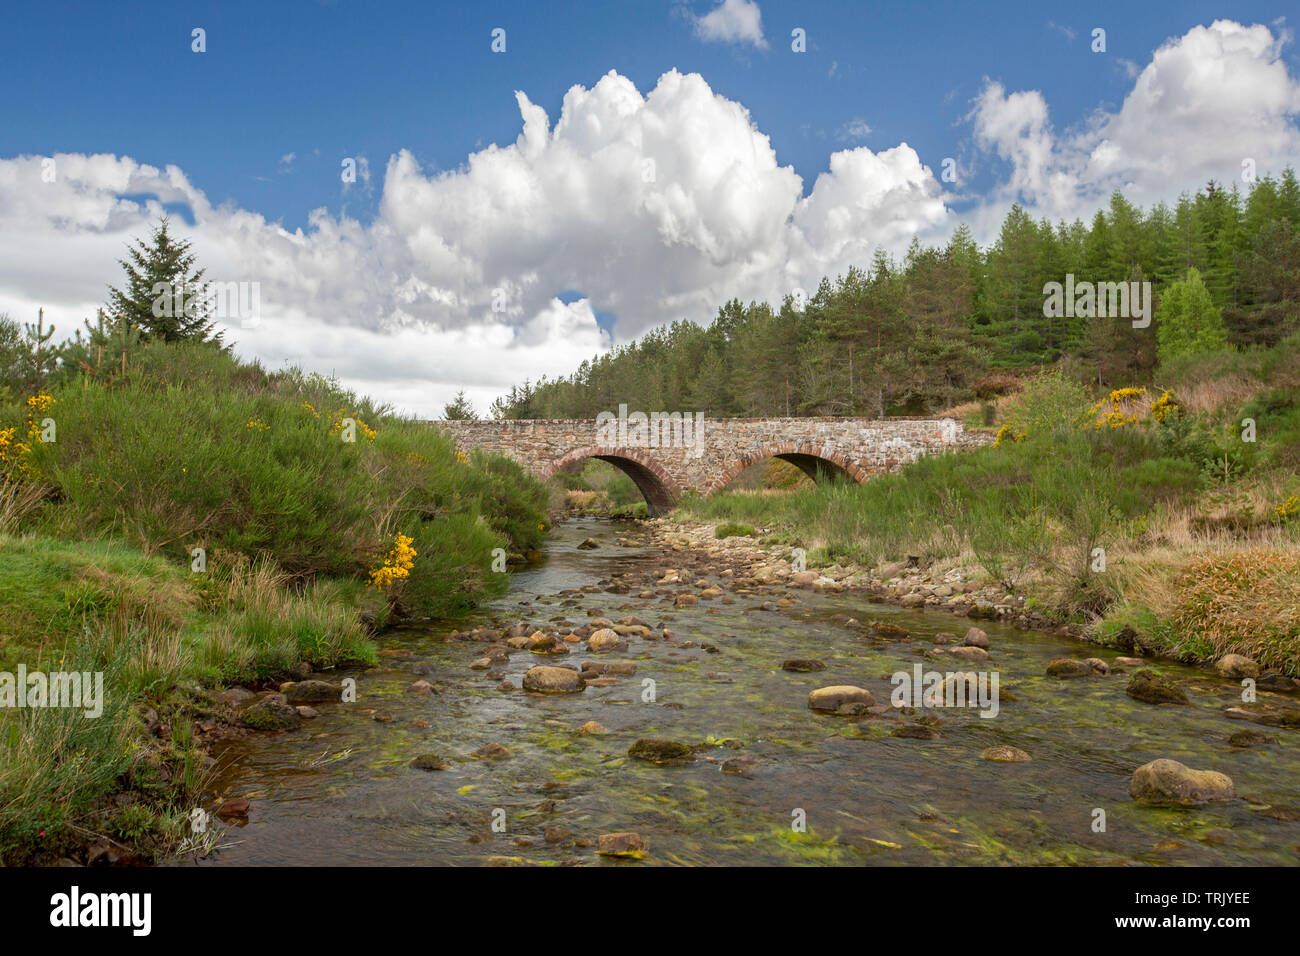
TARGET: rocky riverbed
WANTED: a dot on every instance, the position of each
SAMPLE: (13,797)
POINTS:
(652,693)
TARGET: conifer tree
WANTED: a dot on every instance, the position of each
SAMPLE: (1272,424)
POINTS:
(163,297)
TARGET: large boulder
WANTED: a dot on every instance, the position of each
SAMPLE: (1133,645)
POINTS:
(1153,687)
(553,680)
(835,697)
(976,637)
(1169,783)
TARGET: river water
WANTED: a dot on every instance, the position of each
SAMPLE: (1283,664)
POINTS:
(341,791)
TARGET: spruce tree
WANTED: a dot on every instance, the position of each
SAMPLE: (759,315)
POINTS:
(163,297)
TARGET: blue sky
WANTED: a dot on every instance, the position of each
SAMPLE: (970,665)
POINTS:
(325,80)
(619,166)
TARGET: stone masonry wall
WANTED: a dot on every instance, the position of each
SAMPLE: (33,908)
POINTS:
(861,447)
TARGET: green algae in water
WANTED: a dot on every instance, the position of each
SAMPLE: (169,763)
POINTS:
(1086,737)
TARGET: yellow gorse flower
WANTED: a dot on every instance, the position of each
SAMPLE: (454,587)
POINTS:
(1116,416)
(1008,433)
(396,565)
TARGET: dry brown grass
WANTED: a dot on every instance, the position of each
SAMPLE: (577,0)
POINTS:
(1209,395)
(1246,602)
(17,500)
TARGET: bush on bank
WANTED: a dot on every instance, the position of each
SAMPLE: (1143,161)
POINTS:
(183,520)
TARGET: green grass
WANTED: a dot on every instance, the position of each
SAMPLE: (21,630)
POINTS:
(159,633)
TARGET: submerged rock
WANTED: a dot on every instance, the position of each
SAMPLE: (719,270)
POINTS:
(627,845)
(1004,754)
(236,808)
(271,713)
(660,751)
(1063,668)
(492,751)
(969,653)
(914,732)
(1154,688)
(553,680)
(800,666)
(1169,783)
(595,728)
(310,692)
(835,697)
(1251,738)
(1098,665)
(589,544)
(429,762)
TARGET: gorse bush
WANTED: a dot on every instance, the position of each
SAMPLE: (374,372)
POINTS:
(193,449)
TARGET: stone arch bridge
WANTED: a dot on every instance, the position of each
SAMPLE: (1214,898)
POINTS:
(666,456)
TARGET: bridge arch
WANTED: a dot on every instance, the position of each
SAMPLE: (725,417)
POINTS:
(655,484)
(813,460)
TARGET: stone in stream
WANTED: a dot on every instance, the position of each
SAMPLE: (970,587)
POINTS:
(686,600)
(309,692)
(967,653)
(1169,783)
(1129,661)
(1236,666)
(834,697)
(802,666)
(1063,668)
(1152,687)
(913,731)
(594,728)
(589,544)
(491,751)
(975,637)
(605,639)
(307,713)
(627,845)
(886,630)
(1004,754)
(271,713)
(660,751)
(1098,665)
(234,807)
(429,762)
(421,688)
(553,680)
(1250,738)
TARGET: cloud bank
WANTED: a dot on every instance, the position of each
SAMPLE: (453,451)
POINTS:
(654,207)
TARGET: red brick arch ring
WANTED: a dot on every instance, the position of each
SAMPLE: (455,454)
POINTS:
(814,461)
(658,489)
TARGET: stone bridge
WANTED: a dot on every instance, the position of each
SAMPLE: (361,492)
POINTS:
(668,455)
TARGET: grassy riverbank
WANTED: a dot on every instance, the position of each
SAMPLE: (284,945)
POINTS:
(1196,513)
(194,522)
